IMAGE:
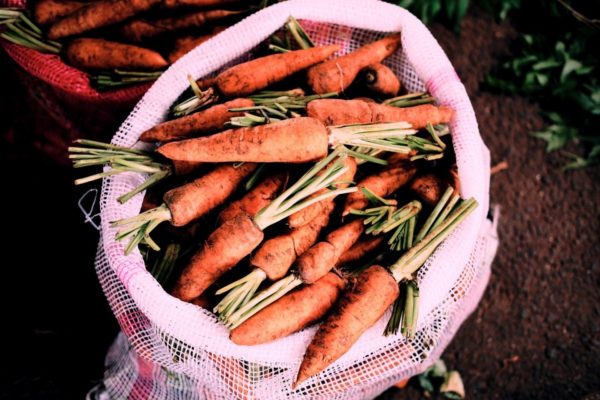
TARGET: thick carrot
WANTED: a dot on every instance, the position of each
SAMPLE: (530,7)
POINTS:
(249,77)
(337,74)
(185,167)
(210,120)
(97,15)
(195,199)
(256,199)
(307,214)
(343,112)
(357,311)
(429,187)
(174,4)
(223,249)
(139,30)
(48,11)
(291,313)
(293,140)
(184,45)
(381,80)
(276,255)
(360,249)
(322,257)
(100,54)
(382,183)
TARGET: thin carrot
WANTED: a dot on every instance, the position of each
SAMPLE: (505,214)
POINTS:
(138,30)
(294,140)
(323,256)
(337,74)
(306,215)
(174,4)
(429,187)
(100,54)
(97,15)
(360,250)
(210,120)
(343,112)
(256,199)
(48,11)
(291,313)
(249,77)
(382,183)
(184,45)
(185,204)
(359,308)
(381,80)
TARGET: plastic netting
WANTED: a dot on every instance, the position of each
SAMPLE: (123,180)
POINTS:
(175,350)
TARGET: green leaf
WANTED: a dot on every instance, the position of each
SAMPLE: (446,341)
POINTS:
(542,79)
(570,66)
(546,64)
(556,136)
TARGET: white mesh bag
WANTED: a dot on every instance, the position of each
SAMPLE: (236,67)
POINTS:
(169,349)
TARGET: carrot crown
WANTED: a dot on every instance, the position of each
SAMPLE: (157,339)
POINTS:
(20,30)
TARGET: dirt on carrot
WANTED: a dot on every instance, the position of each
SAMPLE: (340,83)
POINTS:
(48,11)
(380,80)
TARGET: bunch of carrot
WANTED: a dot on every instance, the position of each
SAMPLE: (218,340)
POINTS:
(360,184)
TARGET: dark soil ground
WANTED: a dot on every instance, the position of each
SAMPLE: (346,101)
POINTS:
(535,334)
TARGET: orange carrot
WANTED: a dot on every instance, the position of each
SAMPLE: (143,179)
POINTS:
(48,11)
(337,74)
(100,54)
(184,45)
(360,249)
(174,4)
(306,215)
(323,256)
(358,310)
(209,120)
(301,308)
(139,30)
(185,167)
(97,15)
(293,140)
(249,77)
(224,248)
(343,112)
(256,199)
(382,183)
(429,187)
(276,255)
(381,80)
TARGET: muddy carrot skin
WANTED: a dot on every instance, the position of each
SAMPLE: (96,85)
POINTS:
(429,188)
(97,15)
(343,112)
(360,250)
(295,140)
(100,54)
(381,80)
(256,199)
(195,199)
(174,4)
(210,120)
(184,45)
(293,312)
(48,11)
(223,249)
(337,74)
(358,309)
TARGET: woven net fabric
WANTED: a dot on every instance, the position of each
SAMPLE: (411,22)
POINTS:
(175,350)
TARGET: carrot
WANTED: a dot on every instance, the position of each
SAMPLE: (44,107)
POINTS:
(291,313)
(185,204)
(276,255)
(294,140)
(429,188)
(174,4)
(306,215)
(343,112)
(337,74)
(360,249)
(184,45)
(224,248)
(97,15)
(359,308)
(381,80)
(323,256)
(139,30)
(249,77)
(209,120)
(256,199)
(185,167)
(48,11)
(382,183)
(100,54)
